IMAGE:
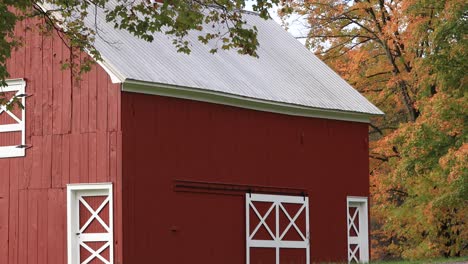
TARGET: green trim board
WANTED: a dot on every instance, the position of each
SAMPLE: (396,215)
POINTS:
(240,101)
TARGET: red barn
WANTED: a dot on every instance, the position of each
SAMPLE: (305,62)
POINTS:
(161,157)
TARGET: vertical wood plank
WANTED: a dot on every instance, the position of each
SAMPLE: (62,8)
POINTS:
(84,101)
(42,227)
(65,168)
(29,109)
(102,157)
(92,157)
(11,62)
(23,227)
(36,80)
(53,227)
(57,157)
(92,109)
(46,181)
(63,197)
(57,92)
(76,106)
(4,208)
(66,93)
(20,53)
(32,226)
(118,201)
(119,106)
(75,158)
(35,179)
(113,156)
(84,161)
(102,100)
(56,226)
(16,170)
(47,85)
(28,71)
(21,62)
(113,93)
(27,167)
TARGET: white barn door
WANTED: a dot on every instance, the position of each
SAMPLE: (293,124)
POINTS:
(90,228)
(279,223)
(358,237)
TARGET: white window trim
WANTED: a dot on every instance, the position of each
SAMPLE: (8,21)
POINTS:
(18,85)
(72,189)
(363,227)
(277,243)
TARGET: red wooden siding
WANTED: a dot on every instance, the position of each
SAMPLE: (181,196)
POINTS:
(73,129)
(167,139)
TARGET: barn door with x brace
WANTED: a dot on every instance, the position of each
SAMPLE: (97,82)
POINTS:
(358,237)
(279,224)
(90,228)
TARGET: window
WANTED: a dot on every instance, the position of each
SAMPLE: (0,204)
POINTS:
(358,238)
(90,223)
(12,122)
(277,228)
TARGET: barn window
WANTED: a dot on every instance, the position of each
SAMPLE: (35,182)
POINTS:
(358,238)
(12,121)
(89,223)
(277,229)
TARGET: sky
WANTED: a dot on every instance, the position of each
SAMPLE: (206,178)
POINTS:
(296,25)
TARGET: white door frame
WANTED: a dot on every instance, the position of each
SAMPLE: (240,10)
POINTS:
(362,238)
(276,240)
(18,86)
(74,192)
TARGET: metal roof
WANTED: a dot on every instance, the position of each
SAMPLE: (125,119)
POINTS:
(285,72)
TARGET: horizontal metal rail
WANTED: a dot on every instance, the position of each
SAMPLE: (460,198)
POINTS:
(233,188)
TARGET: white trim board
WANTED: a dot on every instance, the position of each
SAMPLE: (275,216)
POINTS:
(360,239)
(74,192)
(114,74)
(202,95)
(18,86)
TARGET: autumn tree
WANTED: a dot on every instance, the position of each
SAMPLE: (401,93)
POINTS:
(409,58)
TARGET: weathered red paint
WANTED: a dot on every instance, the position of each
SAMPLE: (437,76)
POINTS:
(167,139)
(73,129)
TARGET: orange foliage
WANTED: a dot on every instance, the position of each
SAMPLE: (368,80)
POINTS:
(409,58)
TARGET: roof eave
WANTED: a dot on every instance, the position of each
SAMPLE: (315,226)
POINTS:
(202,95)
(114,75)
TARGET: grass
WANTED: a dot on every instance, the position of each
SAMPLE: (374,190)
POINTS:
(427,261)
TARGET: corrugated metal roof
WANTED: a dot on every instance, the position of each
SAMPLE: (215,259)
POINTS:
(285,71)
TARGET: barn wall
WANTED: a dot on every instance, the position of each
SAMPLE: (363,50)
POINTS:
(73,129)
(168,139)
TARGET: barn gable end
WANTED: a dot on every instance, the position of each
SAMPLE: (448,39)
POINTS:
(72,135)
